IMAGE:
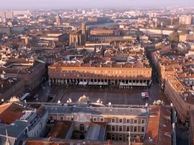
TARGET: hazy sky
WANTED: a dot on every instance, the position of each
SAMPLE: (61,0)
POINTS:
(25,4)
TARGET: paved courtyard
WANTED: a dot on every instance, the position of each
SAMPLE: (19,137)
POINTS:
(130,96)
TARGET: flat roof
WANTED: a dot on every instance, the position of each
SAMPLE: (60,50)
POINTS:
(97,110)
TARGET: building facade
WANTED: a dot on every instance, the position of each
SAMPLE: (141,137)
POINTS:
(99,76)
(115,123)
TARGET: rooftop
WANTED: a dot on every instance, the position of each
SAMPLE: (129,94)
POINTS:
(97,110)
(159,126)
(54,141)
(60,129)
(7,83)
(10,112)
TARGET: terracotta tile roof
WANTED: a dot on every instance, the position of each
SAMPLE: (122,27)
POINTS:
(165,127)
(153,126)
(159,126)
(10,112)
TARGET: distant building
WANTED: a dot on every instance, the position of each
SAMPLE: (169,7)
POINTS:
(58,20)
(20,75)
(101,32)
(186,37)
(21,12)
(6,14)
(185,20)
(5,30)
(79,37)
(176,80)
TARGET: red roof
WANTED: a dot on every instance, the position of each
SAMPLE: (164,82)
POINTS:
(10,112)
(159,126)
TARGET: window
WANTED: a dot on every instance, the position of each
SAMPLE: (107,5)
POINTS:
(109,128)
(120,128)
(120,120)
(142,129)
(128,128)
(142,121)
(135,129)
(82,128)
(116,128)
(131,129)
(135,121)
(113,137)
(120,137)
(108,136)
(113,128)
(113,120)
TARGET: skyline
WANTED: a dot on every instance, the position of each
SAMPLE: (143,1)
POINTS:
(97,72)
(71,4)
